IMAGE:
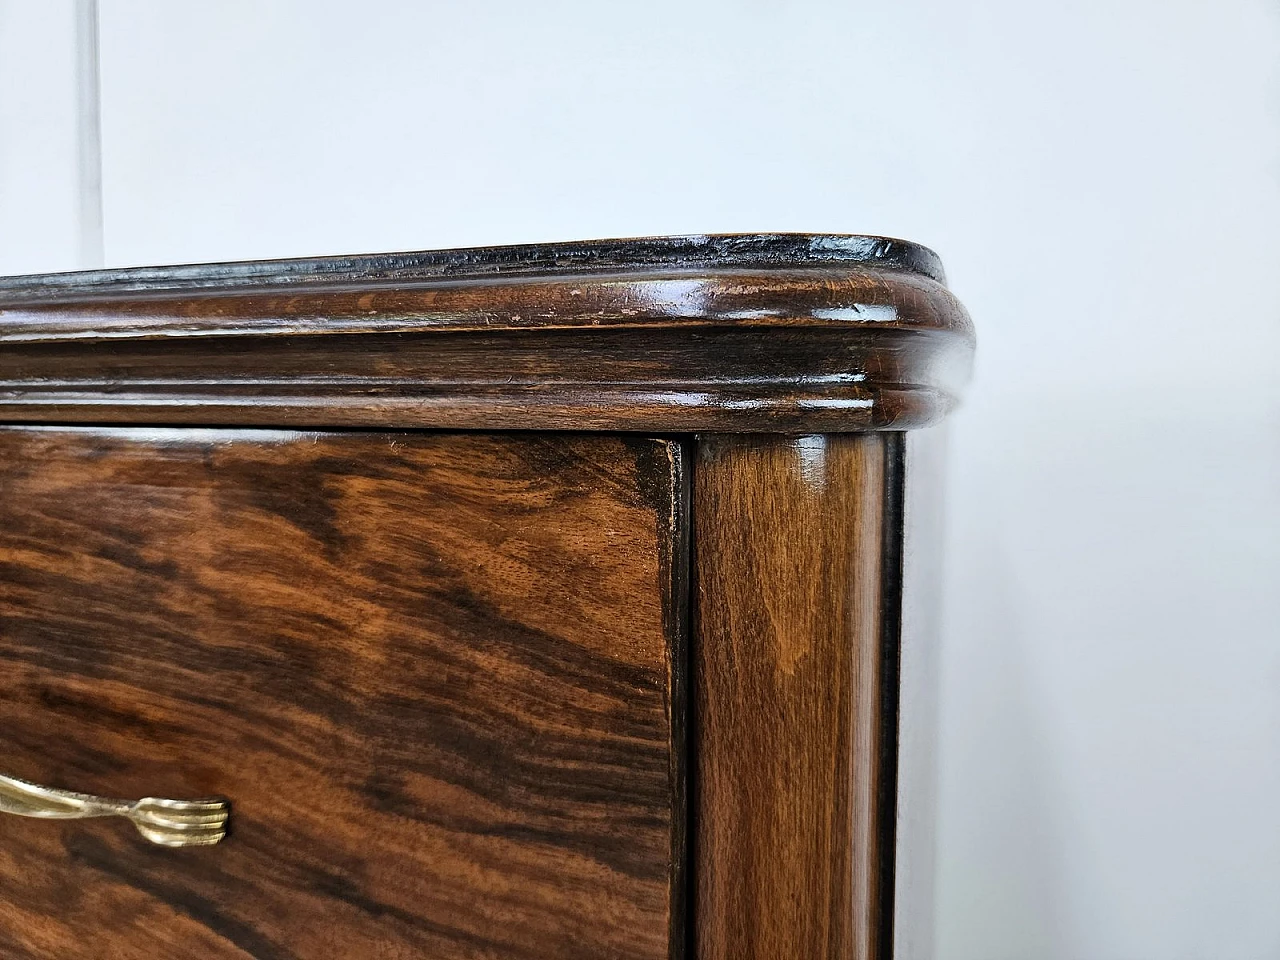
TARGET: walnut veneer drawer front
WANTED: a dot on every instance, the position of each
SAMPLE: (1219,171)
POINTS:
(509,603)
(432,673)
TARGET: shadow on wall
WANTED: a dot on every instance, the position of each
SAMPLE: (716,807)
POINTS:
(1109,730)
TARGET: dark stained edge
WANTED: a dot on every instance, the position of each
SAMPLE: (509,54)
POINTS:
(761,251)
(744,334)
(666,485)
(891,575)
(681,763)
(692,736)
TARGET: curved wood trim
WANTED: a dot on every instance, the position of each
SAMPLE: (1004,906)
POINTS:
(794,696)
(732,334)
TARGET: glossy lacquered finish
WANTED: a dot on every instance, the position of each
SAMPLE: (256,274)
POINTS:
(439,677)
(788,333)
(794,671)
(622,685)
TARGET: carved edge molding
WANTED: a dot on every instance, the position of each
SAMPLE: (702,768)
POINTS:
(674,343)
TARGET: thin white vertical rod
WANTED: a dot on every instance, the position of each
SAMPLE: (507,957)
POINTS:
(89,134)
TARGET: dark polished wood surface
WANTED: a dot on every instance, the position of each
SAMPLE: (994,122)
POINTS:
(439,677)
(442,676)
(789,333)
(794,666)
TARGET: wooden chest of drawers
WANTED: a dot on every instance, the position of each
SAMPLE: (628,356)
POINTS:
(503,603)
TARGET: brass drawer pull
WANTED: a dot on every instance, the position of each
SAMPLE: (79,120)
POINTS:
(170,823)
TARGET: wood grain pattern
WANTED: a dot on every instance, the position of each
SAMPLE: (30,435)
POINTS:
(794,646)
(789,333)
(438,676)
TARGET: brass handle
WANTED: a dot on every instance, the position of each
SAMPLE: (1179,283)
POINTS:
(170,823)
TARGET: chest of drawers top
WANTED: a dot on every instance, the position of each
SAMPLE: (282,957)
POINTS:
(512,602)
(751,333)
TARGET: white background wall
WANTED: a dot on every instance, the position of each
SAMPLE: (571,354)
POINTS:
(1102,179)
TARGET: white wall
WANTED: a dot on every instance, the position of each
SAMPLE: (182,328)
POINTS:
(1102,179)
(39,222)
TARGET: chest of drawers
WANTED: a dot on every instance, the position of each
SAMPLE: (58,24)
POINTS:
(503,603)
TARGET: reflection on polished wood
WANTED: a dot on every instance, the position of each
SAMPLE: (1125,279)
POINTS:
(794,684)
(678,334)
(442,675)
(432,672)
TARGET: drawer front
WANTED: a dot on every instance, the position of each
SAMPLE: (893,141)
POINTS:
(438,677)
